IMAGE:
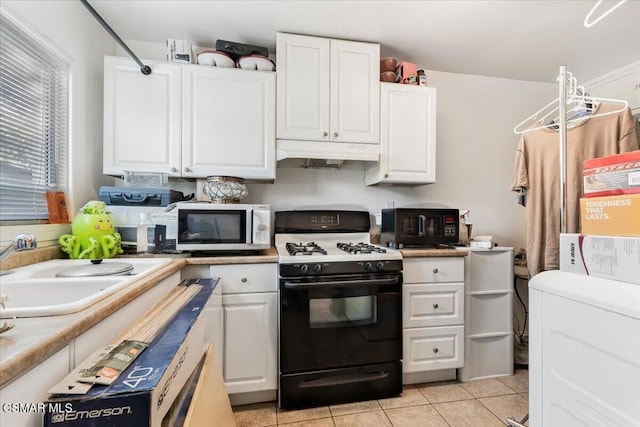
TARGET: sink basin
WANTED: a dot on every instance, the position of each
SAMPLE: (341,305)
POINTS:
(35,290)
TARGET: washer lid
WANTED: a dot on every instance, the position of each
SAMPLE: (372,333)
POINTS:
(102,269)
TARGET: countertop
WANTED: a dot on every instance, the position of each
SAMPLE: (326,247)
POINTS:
(34,339)
(432,252)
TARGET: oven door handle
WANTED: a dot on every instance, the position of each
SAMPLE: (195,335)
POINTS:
(339,283)
(345,379)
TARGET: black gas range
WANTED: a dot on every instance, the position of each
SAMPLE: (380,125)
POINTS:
(340,312)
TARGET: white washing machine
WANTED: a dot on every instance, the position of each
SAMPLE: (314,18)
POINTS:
(584,360)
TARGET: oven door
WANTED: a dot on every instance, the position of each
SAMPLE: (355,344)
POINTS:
(340,321)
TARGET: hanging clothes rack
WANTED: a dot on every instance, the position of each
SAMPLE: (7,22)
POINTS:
(569,92)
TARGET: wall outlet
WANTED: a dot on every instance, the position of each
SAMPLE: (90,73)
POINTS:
(378,219)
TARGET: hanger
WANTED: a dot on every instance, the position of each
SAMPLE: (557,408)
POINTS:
(522,127)
(605,13)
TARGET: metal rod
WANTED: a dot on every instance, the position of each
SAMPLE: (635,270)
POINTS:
(144,69)
(562,100)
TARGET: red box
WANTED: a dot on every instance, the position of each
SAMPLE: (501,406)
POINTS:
(612,175)
(407,72)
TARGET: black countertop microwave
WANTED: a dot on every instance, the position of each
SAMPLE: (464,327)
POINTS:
(419,227)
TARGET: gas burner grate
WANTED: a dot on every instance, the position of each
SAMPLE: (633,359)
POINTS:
(310,248)
(360,248)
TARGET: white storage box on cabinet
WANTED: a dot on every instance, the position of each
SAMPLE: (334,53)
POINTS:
(488,313)
(250,306)
(188,120)
(407,136)
(432,318)
(328,91)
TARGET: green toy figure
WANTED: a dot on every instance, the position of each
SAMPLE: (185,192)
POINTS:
(93,234)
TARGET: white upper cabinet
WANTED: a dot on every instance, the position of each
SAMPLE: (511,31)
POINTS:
(407,136)
(327,89)
(142,117)
(189,120)
(228,122)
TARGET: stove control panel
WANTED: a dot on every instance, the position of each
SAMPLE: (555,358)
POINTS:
(347,267)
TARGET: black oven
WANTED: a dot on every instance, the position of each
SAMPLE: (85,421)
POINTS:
(406,227)
(340,337)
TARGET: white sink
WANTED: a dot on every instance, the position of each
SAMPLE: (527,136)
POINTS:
(35,291)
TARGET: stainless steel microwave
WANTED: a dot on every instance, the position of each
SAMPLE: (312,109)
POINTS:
(406,227)
(206,226)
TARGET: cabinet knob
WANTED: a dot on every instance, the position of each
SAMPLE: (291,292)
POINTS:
(435,271)
(243,280)
(435,349)
(386,175)
(174,169)
(335,134)
(435,306)
(187,170)
(325,133)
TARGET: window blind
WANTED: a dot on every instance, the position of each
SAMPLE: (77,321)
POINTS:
(33,124)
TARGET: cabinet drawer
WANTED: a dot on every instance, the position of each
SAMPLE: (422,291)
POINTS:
(246,278)
(434,270)
(427,349)
(432,305)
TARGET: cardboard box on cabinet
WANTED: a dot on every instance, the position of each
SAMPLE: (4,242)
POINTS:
(612,175)
(145,393)
(611,215)
(609,257)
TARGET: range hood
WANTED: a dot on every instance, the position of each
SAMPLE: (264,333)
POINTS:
(297,149)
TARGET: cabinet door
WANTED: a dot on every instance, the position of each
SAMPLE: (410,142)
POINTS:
(303,87)
(250,344)
(142,117)
(407,135)
(228,123)
(355,92)
(427,349)
(32,387)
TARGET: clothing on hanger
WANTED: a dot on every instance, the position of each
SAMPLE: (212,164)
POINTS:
(536,170)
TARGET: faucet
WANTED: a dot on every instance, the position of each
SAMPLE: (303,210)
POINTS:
(22,242)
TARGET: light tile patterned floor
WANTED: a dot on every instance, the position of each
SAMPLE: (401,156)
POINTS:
(481,403)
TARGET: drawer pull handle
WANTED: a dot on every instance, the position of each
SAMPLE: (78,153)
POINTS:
(435,270)
(243,280)
(435,306)
(435,349)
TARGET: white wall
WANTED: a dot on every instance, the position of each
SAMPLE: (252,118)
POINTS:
(475,153)
(78,35)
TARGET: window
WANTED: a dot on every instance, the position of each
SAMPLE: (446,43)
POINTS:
(33,124)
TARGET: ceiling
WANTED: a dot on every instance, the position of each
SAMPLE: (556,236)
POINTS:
(524,40)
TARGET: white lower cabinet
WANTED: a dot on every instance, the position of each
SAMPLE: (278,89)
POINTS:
(104,332)
(31,388)
(250,362)
(432,318)
(250,307)
(488,313)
